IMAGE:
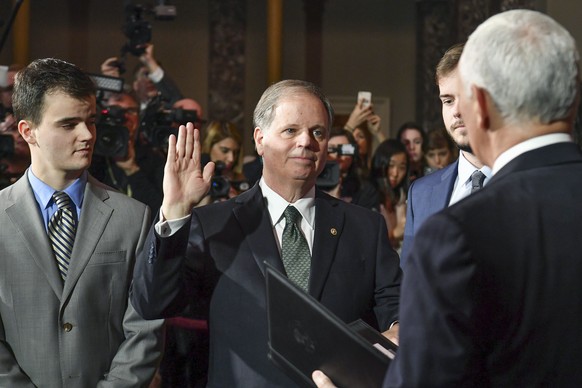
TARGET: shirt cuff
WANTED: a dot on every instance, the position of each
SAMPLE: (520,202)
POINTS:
(166,228)
(157,75)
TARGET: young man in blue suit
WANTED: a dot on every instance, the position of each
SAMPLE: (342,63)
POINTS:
(444,187)
(218,251)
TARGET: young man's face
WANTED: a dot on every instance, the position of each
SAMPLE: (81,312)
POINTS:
(449,94)
(62,143)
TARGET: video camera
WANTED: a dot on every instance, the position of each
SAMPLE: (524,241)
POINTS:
(138,30)
(157,123)
(342,149)
(6,146)
(220,185)
(330,176)
(112,135)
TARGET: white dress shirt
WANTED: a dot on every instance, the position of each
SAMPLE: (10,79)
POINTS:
(462,187)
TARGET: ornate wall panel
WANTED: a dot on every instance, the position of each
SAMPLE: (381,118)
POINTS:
(440,24)
(226,78)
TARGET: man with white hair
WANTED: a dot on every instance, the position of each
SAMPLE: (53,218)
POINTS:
(492,295)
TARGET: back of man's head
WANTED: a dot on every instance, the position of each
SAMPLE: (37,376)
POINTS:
(265,109)
(43,77)
(449,62)
(527,62)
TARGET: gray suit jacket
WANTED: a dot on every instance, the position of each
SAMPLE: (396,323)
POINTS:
(82,333)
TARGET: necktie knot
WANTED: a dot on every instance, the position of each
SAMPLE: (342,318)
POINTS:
(62,200)
(292,215)
(477,179)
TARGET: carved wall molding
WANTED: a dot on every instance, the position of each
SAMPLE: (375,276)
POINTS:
(226,78)
(440,24)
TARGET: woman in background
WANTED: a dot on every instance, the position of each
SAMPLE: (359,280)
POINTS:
(413,137)
(389,173)
(439,151)
(222,144)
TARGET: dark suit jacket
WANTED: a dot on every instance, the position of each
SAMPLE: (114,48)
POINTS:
(354,273)
(492,293)
(426,196)
(83,332)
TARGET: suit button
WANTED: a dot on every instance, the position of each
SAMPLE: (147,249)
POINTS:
(67,327)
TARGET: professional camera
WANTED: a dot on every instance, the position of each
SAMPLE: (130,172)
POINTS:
(342,149)
(330,176)
(112,135)
(220,185)
(157,123)
(6,146)
(137,30)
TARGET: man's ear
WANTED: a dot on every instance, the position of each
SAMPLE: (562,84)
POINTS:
(258,137)
(483,108)
(27,131)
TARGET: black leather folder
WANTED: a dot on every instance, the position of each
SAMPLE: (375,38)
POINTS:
(305,336)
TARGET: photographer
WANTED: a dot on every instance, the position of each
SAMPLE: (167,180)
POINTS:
(342,149)
(222,144)
(14,151)
(139,172)
(149,79)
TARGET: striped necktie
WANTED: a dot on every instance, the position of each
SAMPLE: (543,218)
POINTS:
(294,250)
(61,231)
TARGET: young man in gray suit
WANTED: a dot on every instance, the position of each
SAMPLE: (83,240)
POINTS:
(220,250)
(68,247)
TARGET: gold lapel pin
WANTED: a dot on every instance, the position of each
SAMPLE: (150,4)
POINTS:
(333,231)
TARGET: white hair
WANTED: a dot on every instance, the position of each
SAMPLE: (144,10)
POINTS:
(527,62)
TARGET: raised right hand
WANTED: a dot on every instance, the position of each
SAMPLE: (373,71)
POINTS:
(185,183)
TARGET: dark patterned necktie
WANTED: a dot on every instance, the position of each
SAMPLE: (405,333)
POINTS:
(294,249)
(61,231)
(477,178)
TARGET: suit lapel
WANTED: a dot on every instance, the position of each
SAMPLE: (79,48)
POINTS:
(26,217)
(253,217)
(441,192)
(95,215)
(329,220)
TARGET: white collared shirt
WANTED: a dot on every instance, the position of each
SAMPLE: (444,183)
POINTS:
(465,169)
(528,145)
(276,205)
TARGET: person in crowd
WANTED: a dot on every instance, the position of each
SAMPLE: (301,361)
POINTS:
(68,248)
(352,187)
(454,182)
(140,172)
(150,81)
(413,137)
(439,150)
(389,173)
(365,125)
(219,251)
(222,144)
(14,151)
(491,294)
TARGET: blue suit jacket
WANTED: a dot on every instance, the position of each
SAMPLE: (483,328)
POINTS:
(426,196)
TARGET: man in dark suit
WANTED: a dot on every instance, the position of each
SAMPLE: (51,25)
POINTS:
(353,270)
(65,316)
(492,290)
(492,295)
(444,187)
